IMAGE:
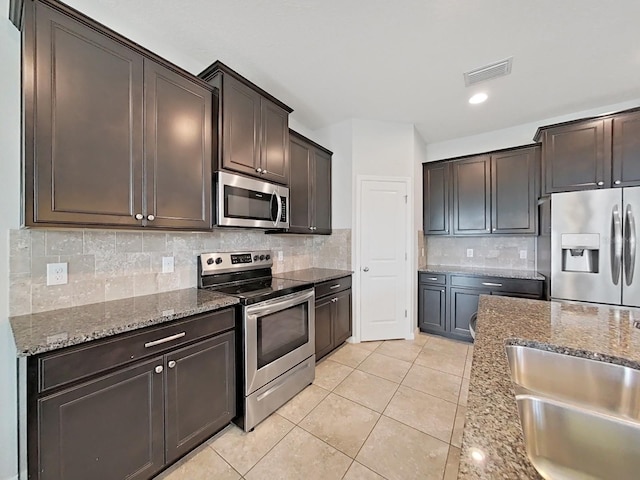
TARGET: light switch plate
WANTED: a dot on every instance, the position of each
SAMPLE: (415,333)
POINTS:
(167,265)
(280,256)
(523,254)
(469,252)
(57,274)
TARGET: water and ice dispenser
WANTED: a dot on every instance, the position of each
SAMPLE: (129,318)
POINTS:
(580,252)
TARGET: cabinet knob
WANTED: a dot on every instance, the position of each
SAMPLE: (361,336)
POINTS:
(159,369)
(442,291)
(310,228)
(172,364)
(139,216)
(151,218)
(617,182)
(600,184)
(494,229)
(259,170)
(333,300)
(264,171)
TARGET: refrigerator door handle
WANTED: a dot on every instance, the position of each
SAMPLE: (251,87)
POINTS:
(630,245)
(616,247)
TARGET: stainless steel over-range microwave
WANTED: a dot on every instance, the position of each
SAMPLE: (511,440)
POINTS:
(248,202)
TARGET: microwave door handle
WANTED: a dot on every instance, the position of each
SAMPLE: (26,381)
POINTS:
(278,215)
(630,245)
(616,247)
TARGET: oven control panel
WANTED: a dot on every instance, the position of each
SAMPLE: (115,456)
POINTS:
(240,258)
(223,262)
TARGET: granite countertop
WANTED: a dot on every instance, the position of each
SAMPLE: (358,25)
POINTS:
(314,275)
(42,332)
(492,429)
(492,272)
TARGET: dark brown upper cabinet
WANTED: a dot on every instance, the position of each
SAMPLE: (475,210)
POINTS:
(626,149)
(254,138)
(435,187)
(472,196)
(113,135)
(309,186)
(514,192)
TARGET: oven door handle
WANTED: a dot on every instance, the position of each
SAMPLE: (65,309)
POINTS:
(277,304)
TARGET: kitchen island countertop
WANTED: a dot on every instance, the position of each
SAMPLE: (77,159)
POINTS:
(493,443)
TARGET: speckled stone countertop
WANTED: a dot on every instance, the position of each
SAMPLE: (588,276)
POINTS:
(491,272)
(45,331)
(314,275)
(492,431)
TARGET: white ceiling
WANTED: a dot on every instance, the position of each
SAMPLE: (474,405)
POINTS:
(402,60)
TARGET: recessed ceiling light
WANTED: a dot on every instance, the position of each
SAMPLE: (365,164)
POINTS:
(478,98)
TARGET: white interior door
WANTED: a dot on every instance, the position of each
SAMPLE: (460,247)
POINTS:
(384,217)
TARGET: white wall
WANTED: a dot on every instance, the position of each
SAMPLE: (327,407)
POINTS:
(9,218)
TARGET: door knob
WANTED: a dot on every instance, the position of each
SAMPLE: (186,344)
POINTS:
(365,269)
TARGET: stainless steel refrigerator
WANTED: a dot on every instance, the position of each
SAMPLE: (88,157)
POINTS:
(593,246)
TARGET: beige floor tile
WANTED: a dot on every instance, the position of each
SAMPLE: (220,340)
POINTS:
(467,367)
(439,360)
(446,345)
(358,471)
(368,390)
(434,382)
(201,464)
(401,349)
(458,426)
(426,413)
(299,406)
(453,463)
(329,374)
(371,346)
(464,392)
(350,355)
(385,367)
(399,452)
(243,450)
(341,423)
(420,338)
(300,455)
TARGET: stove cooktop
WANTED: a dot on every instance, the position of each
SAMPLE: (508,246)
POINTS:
(262,289)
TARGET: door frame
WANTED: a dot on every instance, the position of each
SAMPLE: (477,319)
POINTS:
(409,244)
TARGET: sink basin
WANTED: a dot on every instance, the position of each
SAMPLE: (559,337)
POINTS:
(565,442)
(598,385)
(580,417)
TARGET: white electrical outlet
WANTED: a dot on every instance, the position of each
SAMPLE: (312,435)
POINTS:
(167,265)
(469,252)
(57,274)
(523,254)
(280,256)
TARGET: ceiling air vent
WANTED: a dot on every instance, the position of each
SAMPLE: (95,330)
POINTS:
(488,72)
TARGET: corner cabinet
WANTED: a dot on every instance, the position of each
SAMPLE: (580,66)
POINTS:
(435,187)
(333,315)
(124,407)
(309,187)
(113,136)
(254,134)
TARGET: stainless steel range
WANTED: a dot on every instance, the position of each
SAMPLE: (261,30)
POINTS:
(278,330)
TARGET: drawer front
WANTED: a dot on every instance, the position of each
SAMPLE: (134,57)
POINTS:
(435,278)
(333,286)
(497,284)
(68,365)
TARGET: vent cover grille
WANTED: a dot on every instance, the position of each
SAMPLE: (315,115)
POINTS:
(488,72)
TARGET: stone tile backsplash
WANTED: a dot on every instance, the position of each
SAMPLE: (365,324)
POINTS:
(108,265)
(493,252)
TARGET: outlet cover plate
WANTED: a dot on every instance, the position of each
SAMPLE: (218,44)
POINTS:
(523,254)
(469,252)
(57,274)
(167,265)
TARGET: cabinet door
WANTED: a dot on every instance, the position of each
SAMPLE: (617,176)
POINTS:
(322,192)
(471,196)
(111,427)
(83,124)
(513,194)
(464,304)
(300,194)
(324,327)
(577,156)
(201,392)
(274,142)
(435,195)
(342,317)
(626,150)
(240,127)
(432,309)
(177,150)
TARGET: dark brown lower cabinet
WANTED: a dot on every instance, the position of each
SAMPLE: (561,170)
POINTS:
(333,318)
(324,327)
(464,304)
(432,308)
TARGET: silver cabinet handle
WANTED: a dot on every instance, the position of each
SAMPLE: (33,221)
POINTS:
(159,369)
(630,245)
(432,278)
(616,244)
(365,269)
(600,184)
(151,218)
(139,216)
(617,182)
(491,284)
(172,363)
(165,340)
(259,170)
(337,285)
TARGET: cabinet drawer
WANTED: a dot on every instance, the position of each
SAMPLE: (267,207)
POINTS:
(75,363)
(333,286)
(437,278)
(499,284)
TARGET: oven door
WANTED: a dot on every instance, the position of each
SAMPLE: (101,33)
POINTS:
(279,334)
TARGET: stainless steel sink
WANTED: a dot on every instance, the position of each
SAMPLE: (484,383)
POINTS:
(580,417)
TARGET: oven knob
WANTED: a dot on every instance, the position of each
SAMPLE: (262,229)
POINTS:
(210,261)
(255,258)
(261,257)
(268,257)
(218,261)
